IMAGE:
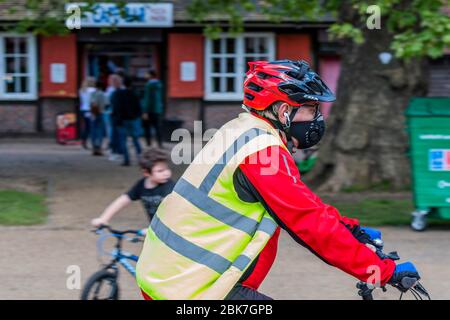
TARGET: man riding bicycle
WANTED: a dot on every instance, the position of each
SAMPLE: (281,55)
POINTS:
(215,236)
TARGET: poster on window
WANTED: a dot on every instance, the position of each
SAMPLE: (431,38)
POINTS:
(188,71)
(58,73)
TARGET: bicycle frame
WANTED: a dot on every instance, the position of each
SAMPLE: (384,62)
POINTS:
(121,257)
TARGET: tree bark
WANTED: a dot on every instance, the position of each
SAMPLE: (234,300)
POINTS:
(366,142)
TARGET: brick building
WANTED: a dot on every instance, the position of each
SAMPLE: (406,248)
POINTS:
(40,76)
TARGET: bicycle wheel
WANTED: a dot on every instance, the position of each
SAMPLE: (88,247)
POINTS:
(102,285)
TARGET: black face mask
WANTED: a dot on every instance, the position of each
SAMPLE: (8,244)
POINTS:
(308,133)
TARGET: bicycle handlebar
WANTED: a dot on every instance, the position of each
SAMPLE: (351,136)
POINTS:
(408,283)
(118,232)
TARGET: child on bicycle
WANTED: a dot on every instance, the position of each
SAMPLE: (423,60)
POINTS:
(151,189)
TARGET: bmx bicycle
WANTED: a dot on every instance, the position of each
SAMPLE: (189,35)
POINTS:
(103,284)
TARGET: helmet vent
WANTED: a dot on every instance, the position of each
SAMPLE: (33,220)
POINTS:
(264,76)
(315,87)
(295,75)
(290,89)
(254,87)
(249,96)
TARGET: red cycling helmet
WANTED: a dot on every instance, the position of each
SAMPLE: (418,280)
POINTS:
(289,81)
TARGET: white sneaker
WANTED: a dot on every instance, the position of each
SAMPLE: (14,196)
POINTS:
(114,157)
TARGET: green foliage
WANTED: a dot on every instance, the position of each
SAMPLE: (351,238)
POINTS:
(419,27)
(41,18)
(346,30)
(22,208)
(428,38)
(217,11)
(47,17)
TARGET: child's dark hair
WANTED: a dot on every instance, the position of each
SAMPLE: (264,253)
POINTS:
(151,156)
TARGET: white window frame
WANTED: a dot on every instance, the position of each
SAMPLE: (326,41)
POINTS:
(31,67)
(240,68)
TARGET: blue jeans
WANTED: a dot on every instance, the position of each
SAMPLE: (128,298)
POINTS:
(85,125)
(130,128)
(97,131)
(108,125)
(112,132)
(114,143)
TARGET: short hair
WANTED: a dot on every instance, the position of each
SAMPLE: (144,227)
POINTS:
(151,156)
(127,81)
(115,80)
(89,82)
(99,84)
(152,73)
(120,71)
(271,111)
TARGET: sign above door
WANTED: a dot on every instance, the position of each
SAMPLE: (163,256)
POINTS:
(135,15)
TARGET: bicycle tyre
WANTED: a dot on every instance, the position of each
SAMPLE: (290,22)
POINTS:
(100,276)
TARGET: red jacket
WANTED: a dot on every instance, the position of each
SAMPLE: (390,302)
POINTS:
(312,223)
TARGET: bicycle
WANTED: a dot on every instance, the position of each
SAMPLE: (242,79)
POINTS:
(408,284)
(109,273)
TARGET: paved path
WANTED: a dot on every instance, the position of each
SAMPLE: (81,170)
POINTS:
(34,259)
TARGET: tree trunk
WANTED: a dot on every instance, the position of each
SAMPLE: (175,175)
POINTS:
(366,142)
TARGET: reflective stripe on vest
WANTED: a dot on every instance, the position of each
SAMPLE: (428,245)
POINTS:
(181,275)
(243,139)
(200,255)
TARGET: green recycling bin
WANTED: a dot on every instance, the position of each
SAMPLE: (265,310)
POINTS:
(428,122)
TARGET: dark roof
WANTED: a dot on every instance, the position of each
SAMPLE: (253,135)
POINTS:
(179,9)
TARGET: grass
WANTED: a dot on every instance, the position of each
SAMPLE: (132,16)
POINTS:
(382,212)
(378,212)
(22,208)
(383,186)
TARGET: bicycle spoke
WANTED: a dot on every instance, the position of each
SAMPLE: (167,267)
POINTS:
(97,290)
(111,283)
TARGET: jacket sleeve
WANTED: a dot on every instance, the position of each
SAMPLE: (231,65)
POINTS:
(312,223)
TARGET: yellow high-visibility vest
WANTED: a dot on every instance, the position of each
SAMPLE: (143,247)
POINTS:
(203,236)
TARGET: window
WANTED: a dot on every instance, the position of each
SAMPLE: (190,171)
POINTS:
(17,67)
(227,61)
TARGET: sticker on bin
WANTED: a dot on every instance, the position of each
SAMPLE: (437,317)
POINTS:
(439,159)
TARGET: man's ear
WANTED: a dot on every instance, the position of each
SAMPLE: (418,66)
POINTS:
(282,109)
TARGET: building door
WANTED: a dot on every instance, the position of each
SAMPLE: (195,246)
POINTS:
(134,61)
(329,70)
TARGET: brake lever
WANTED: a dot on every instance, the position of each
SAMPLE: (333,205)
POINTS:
(391,255)
(135,240)
(96,231)
(421,289)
